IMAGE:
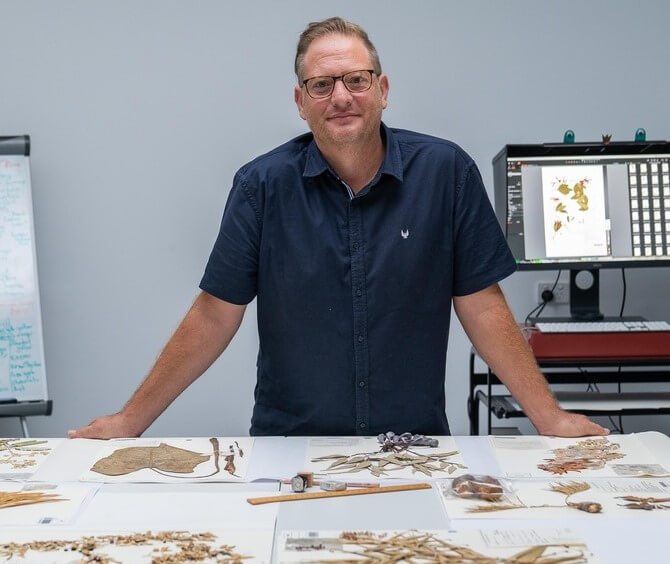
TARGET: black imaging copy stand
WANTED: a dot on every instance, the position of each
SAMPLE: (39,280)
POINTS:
(22,371)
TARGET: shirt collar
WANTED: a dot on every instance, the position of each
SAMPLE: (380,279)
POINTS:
(315,164)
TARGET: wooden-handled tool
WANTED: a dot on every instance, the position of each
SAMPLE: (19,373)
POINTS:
(318,495)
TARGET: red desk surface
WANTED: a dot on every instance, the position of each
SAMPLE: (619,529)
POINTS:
(644,345)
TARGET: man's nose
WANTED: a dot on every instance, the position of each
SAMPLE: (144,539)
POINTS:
(340,94)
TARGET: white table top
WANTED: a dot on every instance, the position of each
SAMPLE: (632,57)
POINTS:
(220,505)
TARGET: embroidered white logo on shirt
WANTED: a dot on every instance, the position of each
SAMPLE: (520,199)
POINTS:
(404,233)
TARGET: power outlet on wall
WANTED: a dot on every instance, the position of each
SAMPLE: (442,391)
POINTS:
(561,292)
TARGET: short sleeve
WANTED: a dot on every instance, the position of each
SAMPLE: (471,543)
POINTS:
(231,273)
(481,254)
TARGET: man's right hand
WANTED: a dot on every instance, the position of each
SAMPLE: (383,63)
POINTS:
(107,427)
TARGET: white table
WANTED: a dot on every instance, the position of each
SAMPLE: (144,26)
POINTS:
(615,540)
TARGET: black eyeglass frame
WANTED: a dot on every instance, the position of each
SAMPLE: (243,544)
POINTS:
(335,79)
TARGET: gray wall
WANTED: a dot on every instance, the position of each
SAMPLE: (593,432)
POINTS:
(140,113)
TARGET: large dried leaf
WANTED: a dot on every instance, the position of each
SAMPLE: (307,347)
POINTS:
(163,457)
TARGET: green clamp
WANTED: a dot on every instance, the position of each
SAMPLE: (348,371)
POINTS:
(569,136)
(640,135)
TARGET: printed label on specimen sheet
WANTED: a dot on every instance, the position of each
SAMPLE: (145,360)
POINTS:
(364,458)
(573,199)
(486,497)
(61,546)
(499,545)
(215,459)
(20,458)
(42,504)
(535,456)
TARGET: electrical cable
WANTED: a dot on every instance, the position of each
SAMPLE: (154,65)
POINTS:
(540,307)
(623,297)
(623,303)
(593,387)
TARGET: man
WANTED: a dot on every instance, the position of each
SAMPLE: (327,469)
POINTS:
(354,239)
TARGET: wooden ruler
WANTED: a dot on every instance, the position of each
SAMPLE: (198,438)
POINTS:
(318,495)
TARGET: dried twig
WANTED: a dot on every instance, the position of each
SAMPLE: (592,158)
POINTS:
(646,503)
(380,463)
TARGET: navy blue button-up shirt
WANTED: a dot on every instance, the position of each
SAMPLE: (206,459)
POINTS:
(354,291)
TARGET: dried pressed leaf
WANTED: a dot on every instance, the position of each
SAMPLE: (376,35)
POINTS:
(163,457)
(530,555)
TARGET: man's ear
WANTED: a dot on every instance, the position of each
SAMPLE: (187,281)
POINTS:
(384,87)
(297,96)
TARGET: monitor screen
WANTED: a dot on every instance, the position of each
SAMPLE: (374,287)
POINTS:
(588,205)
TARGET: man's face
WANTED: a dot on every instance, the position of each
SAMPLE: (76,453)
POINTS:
(344,117)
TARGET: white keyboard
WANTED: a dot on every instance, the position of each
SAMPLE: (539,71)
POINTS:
(601,326)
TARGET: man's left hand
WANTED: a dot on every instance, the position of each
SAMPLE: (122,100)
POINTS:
(565,424)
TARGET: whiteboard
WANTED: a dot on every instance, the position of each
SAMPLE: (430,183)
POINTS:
(22,371)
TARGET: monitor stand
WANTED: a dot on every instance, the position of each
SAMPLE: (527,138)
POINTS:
(585,299)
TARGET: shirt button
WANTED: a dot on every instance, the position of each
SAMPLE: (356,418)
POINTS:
(359,292)
(355,245)
(362,425)
(362,384)
(360,338)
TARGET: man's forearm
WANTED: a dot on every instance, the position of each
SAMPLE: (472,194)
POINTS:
(201,337)
(491,327)
(498,340)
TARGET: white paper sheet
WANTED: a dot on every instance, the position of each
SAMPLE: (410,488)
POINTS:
(351,446)
(255,545)
(61,512)
(534,499)
(176,506)
(206,471)
(20,458)
(521,457)
(312,546)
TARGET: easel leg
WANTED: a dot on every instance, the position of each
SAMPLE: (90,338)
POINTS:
(24,427)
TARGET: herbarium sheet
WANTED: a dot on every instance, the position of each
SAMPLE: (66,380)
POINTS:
(42,504)
(20,458)
(366,457)
(487,497)
(67,546)
(200,459)
(546,457)
(467,546)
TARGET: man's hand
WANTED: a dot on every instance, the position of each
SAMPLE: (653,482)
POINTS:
(565,424)
(107,427)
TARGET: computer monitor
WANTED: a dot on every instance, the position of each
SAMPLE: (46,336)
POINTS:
(583,207)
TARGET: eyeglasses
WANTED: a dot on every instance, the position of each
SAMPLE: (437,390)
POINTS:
(354,81)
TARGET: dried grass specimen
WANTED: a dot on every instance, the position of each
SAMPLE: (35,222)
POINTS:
(16,499)
(589,454)
(567,489)
(22,453)
(415,546)
(166,458)
(380,464)
(186,547)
